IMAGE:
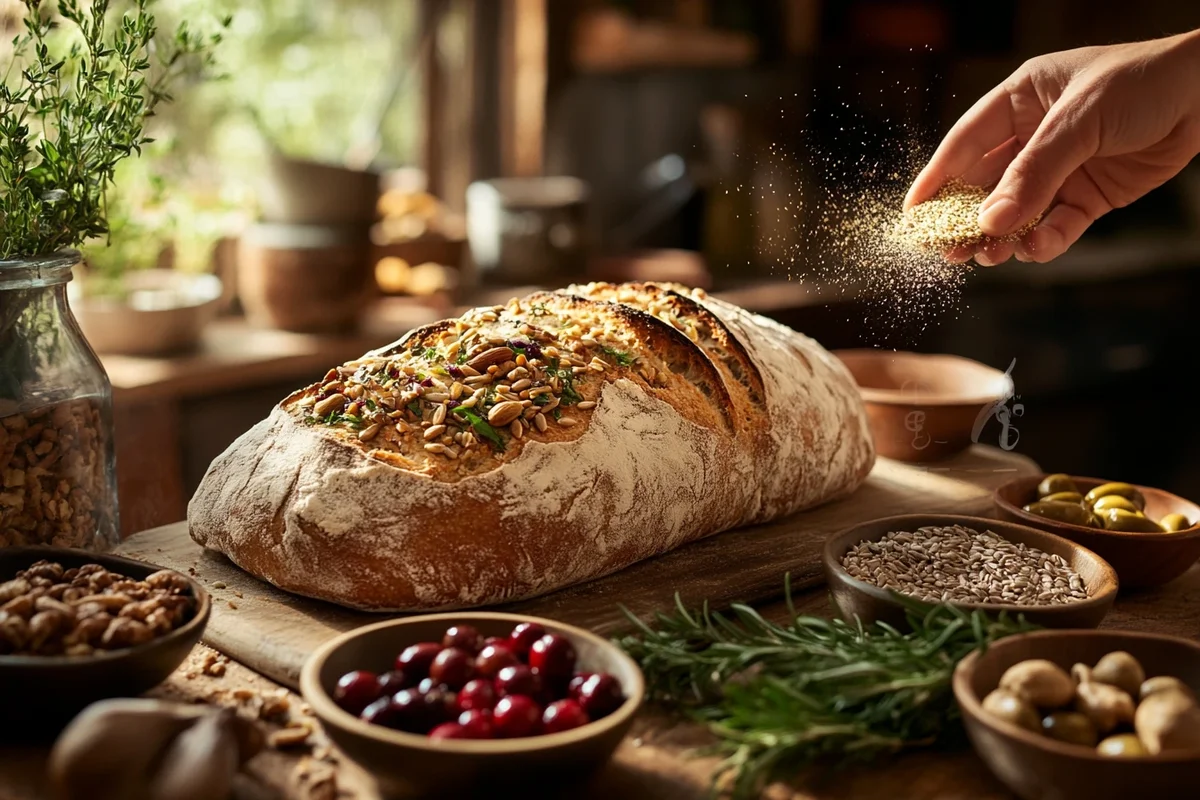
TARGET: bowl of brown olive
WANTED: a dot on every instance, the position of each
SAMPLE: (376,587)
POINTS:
(1085,714)
(1148,535)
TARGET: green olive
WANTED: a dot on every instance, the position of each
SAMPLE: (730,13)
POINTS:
(1114,501)
(1058,482)
(1072,513)
(1064,497)
(1121,745)
(1118,519)
(1174,523)
(1071,727)
(1126,490)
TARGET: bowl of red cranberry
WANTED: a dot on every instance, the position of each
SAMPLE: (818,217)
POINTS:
(443,703)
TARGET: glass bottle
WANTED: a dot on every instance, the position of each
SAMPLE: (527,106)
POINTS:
(57,467)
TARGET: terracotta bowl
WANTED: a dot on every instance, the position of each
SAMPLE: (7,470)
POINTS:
(43,693)
(870,603)
(1140,559)
(923,407)
(409,765)
(1039,768)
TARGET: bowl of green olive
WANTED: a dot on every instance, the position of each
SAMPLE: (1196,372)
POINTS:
(1085,714)
(1149,536)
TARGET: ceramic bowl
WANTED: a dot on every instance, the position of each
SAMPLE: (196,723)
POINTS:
(1140,559)
(870,603)
(45,692)
(923,407)
(409,765)
(163,312)
(1039,768)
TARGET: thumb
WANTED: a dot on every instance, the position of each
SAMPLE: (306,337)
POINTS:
(1066,137)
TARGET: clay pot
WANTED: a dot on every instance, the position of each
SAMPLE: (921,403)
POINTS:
(304,278)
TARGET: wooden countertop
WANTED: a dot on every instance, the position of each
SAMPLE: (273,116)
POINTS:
(657,760)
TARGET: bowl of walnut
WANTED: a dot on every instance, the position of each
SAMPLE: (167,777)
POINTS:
(76,627)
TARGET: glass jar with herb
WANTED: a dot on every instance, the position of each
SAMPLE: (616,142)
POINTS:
(76,89)
(57,472)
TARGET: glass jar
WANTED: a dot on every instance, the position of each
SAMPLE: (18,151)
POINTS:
(57,468)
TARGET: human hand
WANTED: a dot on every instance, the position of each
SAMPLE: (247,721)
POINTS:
(1079,133)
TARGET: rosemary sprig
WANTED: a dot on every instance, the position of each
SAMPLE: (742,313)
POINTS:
(780,696)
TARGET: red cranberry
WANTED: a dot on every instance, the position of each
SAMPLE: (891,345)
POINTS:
(419,713)
(428,685)
(394,681)
(477,694)
(518,680)
(523,637)
(443,704)
(464,637)
(563,715)
(449,730)
(516,716)
(383,712)
(478,723)
(416,659)
(492,659)
(553,658)
(495,641)
(356,690)
(576,683)
(600,695)
(453,667)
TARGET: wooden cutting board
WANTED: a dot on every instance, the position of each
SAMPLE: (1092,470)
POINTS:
(273,632)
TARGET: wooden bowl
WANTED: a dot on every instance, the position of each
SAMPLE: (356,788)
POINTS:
(1140,559)
(855,598)
(43,693)
(406,764)
(1039,768)
(923,407)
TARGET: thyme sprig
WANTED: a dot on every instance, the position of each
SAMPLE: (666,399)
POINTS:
(781,696)
(68,118)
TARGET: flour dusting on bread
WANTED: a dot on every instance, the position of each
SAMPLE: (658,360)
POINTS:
(685,416)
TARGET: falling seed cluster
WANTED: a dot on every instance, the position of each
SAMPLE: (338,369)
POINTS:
(950,220)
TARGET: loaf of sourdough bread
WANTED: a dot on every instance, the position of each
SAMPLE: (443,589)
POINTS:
(524,448)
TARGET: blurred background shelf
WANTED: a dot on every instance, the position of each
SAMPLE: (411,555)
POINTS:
(512,143)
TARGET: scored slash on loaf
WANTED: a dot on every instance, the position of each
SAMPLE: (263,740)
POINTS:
(950,220)
(527,447)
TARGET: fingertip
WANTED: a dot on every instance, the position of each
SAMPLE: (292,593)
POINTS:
(1046,243)
(994,254)
(958,255)
(923,188)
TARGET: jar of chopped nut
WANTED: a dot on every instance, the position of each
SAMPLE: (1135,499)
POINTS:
(57,472)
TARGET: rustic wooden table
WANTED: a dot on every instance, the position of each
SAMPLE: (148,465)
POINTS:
(654,762)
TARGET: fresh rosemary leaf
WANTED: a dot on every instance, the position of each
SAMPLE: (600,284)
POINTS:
(780,696)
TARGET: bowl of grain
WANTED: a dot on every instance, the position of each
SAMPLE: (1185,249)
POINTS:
(923,407)
(877,569)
